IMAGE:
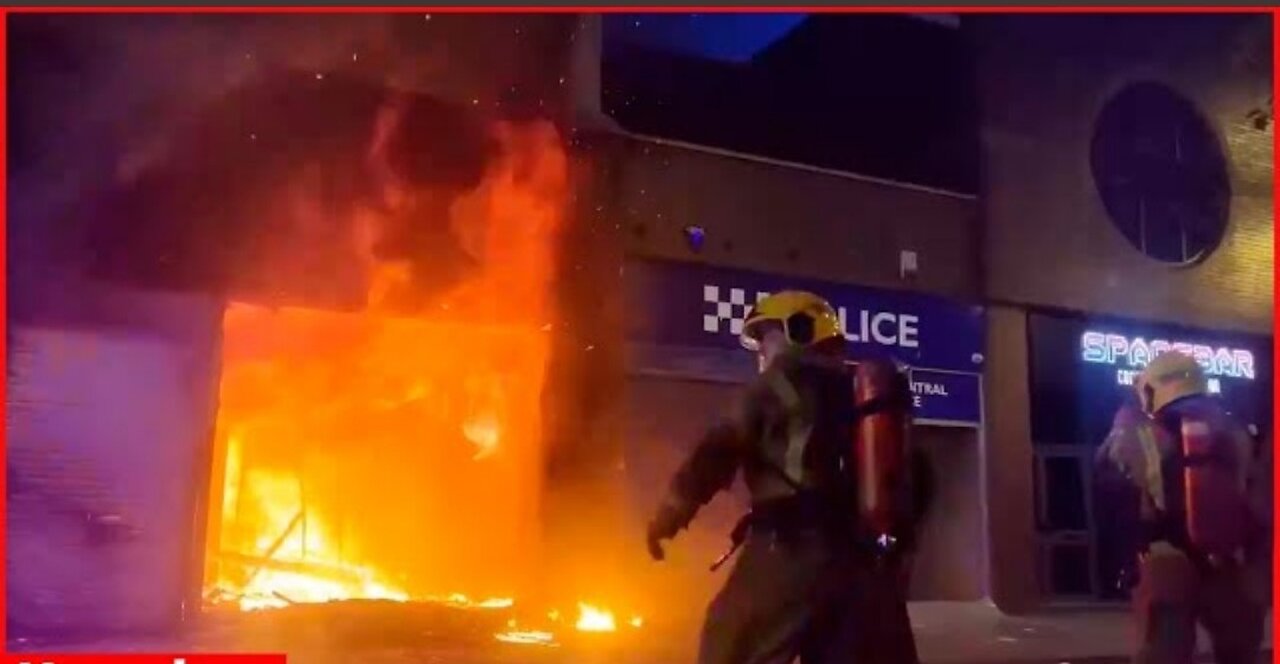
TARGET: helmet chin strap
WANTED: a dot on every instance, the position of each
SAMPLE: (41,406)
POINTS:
(771,346)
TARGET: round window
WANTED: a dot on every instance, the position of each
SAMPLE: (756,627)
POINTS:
(1161,173)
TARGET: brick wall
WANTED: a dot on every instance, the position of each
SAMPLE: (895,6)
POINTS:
(1042,82)
(1047,240)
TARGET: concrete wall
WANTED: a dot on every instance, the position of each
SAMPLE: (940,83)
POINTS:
(951,564)
(766,215)
(786,220)
(1010,489)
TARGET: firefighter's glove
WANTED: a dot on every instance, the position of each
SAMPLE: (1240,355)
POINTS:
(664,526)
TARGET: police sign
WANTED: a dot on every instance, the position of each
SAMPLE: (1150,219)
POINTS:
(690,306)
(886,328)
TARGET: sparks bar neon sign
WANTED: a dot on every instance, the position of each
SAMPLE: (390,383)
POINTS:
(1135,353)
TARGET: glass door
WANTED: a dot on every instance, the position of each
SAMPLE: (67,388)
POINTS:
(1065,527)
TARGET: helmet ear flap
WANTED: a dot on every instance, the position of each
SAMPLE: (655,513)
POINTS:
(801,328)
(1148,397)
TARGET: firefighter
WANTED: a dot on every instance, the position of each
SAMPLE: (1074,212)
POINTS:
(1193,462)
(1128,476)
(791,437)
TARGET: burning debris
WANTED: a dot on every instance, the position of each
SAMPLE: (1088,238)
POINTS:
(386,452)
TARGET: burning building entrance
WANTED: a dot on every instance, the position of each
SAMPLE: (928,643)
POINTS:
(371,456)
(369,423)
(395,450)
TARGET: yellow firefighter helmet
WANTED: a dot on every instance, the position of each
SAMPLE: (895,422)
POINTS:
(803,317)
(1167,378)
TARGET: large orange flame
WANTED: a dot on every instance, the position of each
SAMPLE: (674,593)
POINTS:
(395,454)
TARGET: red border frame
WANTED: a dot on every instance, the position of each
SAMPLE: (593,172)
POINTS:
(600,9)
(4,314)
(1275,315)
(617,9)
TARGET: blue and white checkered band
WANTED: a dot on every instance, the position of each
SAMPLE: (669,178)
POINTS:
(732,309)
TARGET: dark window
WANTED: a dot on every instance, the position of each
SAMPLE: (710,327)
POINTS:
(885,96)
(1161,173)
(1069,570)
(1069,405)
(1117,525)
(1064,494)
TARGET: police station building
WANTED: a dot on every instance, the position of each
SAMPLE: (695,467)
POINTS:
(1024,210)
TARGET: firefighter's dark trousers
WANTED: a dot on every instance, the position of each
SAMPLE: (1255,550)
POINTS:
(1173,596)
(786,598)
(881,631)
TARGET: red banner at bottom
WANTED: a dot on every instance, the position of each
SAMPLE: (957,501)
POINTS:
(204,658)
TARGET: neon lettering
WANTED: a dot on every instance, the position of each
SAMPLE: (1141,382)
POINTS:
(1244,362)
(1139,353)
(1224,364)
(1134,354)
(1116,346)
(1095,350)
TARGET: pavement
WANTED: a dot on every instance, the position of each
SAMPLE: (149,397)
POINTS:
(381,633)
(978,632)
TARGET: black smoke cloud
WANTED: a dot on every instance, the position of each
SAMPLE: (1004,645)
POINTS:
(161,150)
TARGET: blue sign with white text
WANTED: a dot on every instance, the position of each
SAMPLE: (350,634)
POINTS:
(947,398)
(692,306)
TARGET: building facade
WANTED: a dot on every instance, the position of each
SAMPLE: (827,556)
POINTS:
(1020,208)
(709,217)
(1127,191)
(1120,199)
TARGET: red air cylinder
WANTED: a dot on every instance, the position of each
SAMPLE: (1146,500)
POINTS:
(1215,509)
(882,397)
